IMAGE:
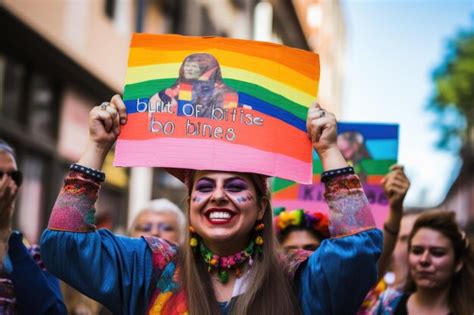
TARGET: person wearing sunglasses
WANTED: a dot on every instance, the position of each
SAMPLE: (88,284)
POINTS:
(25,285)
(160,218)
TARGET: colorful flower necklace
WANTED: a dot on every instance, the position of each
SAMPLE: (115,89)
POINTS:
(222,264)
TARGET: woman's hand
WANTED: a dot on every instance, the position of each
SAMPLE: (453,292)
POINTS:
(8,191)
(322,129)
(395,185)
(104,127)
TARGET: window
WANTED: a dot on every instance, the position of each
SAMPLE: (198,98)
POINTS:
(41,106)
(12,82)
(110,8)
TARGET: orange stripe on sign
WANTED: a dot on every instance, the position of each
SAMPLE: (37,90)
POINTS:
(299,60)
(374,179)
(290,192)
(316,179)
(243,131)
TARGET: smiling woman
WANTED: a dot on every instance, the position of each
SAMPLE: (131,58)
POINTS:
(228,263)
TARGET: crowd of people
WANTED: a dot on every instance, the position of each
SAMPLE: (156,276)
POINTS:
(229,251)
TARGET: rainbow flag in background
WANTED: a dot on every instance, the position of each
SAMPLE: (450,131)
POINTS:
(374,150)
(245,112)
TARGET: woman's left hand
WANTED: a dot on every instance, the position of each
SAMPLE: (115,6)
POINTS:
(322,129)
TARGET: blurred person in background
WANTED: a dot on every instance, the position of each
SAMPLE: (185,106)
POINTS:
(396,229)
(25,285)
(441,262)
(300,229)
(397,270)
(160,218)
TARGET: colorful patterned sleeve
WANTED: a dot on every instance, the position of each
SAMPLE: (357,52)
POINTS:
(349,256)
(349,209)
(74,209)
(114,270)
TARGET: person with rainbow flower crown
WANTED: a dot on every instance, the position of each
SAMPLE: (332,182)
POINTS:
(300,229)
(229,264)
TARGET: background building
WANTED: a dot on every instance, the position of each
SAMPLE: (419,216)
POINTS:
(59,58)
(324,27)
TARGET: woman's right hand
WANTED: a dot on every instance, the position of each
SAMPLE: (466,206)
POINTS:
(322,130)
(104,128)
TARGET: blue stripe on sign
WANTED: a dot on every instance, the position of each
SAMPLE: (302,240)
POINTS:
(382,149)
(370,131)
(137,105)
(272,110)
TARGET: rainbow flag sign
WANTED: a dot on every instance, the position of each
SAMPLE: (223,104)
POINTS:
(370,148)
(211,103)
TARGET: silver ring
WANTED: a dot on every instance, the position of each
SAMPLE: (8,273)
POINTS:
(104,105)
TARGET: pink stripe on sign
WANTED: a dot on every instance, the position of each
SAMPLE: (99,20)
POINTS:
(209,155)
(379,212)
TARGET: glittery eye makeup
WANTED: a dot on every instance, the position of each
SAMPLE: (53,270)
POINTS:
(236,185)
(204,185)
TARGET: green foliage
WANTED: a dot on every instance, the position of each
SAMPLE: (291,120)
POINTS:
(453,97)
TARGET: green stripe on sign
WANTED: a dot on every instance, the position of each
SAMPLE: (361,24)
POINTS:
(149,88)
(317,167)
(146,88)
(269,97)
(279,184)
(376,167)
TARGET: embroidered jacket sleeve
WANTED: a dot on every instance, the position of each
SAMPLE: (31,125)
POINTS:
(336,277)
(36,290)
(114,270)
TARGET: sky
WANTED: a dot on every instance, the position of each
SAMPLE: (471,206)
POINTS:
(392,48)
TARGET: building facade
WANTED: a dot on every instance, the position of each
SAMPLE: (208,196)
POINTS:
(59,58)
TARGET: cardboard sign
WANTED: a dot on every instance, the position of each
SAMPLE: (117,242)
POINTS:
(370,148)
(211,103)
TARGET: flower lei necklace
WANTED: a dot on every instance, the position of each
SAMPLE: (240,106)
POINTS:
(222,264)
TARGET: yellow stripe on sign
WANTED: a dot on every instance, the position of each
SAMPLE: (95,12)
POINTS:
(140,56)
(165,71)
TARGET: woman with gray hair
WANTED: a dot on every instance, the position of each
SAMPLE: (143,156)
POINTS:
(161,218)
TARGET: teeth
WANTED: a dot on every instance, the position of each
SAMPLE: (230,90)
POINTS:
(219,215)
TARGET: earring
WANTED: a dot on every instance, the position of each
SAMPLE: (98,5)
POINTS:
(259,238)
(193,241)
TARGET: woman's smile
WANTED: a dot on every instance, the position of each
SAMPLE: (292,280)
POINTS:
(220,216)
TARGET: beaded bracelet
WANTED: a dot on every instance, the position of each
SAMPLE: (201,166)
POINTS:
(93,173)
(337,172)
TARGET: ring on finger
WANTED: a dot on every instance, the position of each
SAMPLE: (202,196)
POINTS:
(104,105)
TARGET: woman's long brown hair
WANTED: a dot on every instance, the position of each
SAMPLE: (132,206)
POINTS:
(269,289)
